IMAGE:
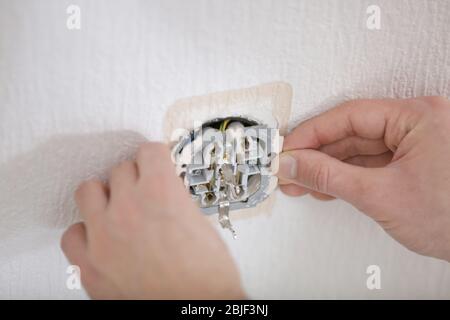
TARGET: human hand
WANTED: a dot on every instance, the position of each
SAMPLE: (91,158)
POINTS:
(389,158)
(142,236)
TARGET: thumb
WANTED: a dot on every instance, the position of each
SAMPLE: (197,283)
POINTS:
(319,172)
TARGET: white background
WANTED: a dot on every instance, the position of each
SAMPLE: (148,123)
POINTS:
(73,103)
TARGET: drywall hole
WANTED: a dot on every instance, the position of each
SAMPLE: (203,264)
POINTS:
(227,155)
(226,164)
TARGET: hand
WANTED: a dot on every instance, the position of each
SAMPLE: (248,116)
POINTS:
(389,158)
(143,237)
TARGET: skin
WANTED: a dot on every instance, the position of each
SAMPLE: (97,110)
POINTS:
(142,236)
(388,158)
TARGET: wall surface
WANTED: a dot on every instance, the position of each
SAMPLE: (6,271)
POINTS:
(73,103)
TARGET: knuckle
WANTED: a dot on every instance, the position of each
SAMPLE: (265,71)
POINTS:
(160,190)
(115,170)
(145,151)
(436,100)
(355,103)
(320,178)
(89,184)
(437,109)
(351,103)
(124,165)
(126,219)
(122,169)
(441,105)
(65,240)
(124,208)
(67,237)
(152,150)
(121,216)
(127,164)
(85,186)
(163,151)
(435,103)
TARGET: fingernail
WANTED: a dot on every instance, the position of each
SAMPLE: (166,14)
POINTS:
(288,167)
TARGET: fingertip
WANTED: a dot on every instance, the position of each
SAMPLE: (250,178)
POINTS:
(73,240)
(293,190)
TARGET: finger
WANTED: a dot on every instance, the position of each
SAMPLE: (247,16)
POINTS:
(153,159)
(91,198)
(75,246)
(354,146)
(376,161)
(364,118)
(319,172)
(293,190)
(123,178)
(321,196)
(283,182)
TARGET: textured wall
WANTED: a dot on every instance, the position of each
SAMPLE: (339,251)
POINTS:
(72,103)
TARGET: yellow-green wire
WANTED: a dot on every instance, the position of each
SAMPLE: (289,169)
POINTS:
(224,125)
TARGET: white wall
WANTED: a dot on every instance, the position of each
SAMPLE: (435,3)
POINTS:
(72,103)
